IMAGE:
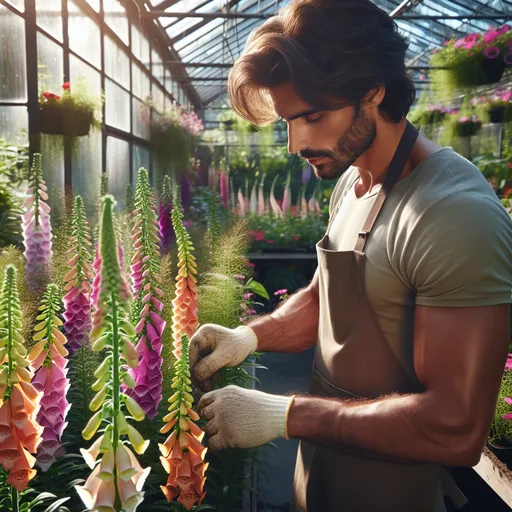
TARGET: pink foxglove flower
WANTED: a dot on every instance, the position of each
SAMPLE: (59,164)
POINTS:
(37,231)
(77,301)
(145,286)
(47,358)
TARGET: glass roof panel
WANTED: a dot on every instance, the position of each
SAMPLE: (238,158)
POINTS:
(221,40)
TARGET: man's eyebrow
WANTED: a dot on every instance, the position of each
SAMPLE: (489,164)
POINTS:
(304,113)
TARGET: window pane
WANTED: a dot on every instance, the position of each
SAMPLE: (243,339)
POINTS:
(49,17)
(115,18)
(117,106)
(19,4)
(53,172)
(140,159)
(157,67)
(95,4)
(86,169)
(158,98)
(140,46)
(140,82)
(14,124)
(141,117)
(117,63)
(84,35)
(12,57)
(118,168)
(50,65)
(91,77)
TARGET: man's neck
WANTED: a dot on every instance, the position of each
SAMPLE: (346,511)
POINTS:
(374,163)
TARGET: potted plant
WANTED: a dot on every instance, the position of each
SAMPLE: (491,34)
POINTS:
(466,126)
(71,114)
(476,59)
(173,136)
(497,107)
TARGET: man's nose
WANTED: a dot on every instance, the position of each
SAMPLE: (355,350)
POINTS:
(297,139)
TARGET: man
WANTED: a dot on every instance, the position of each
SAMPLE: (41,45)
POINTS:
(409,307)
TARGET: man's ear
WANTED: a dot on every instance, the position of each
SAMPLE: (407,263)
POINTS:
(374,97)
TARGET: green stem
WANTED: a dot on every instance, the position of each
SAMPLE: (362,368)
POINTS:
(115,367)
(14,500)
(9,342)
(116,379)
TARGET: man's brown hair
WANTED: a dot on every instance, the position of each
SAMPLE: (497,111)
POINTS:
(334,52)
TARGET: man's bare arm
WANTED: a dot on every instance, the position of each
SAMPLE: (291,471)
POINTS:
(293,327)
(459,356)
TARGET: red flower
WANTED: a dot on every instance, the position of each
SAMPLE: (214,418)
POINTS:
(54,96)
(47,95)
(510,165)
(295,237)
(66,85)
(270,242)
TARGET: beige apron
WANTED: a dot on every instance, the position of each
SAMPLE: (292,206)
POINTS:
(353,358)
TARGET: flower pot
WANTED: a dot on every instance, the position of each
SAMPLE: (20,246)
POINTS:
(467,129)
(54,120)
(503,452)
(492,69)
(497,114)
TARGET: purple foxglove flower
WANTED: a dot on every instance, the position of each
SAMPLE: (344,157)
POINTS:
(37,231)
(306,174)
(491,52)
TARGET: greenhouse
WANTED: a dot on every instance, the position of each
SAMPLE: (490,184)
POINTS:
(256,255)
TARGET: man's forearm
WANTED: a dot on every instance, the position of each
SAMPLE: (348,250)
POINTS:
(293,327)
(406,427)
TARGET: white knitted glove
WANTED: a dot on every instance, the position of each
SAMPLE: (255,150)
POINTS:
(213,347)
(243,418)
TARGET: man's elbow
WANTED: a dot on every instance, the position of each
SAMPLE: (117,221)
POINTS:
(466,446)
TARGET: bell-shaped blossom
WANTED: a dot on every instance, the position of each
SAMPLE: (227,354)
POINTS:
(20,433)
(117,476)
(36,228)
(182,451)
(185,314)
(48,359)
(145,286)
(77,301)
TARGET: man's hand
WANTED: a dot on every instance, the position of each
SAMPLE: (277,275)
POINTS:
(213,347)
(243,418)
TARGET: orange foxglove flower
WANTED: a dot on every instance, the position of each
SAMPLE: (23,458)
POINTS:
(20,434)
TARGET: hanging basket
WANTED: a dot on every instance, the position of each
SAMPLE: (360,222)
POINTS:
(482,72)
(497,114)
(467,129)
(54,120)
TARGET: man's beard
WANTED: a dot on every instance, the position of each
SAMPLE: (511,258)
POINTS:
(357,139)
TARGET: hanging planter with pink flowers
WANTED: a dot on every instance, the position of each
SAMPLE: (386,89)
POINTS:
(476,59)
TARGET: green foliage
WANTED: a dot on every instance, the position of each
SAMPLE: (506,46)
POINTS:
(285,233)
(14,164)
(220,294)
(10,213)
(501,431)
(129,201)
(467,64)
(29,500)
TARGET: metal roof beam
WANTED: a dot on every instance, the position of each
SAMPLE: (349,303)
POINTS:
(208,16)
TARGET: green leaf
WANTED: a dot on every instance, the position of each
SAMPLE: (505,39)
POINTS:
(257,288)
(57,506)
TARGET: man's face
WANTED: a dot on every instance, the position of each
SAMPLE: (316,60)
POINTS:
(331,141)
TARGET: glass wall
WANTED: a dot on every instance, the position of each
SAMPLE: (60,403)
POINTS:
(92,42)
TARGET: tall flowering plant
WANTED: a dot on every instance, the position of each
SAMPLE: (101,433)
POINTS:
(147,308)
(77,301)
(20,434)
(185,301)
(48,359)
(37,230)
(182,452)
(167,235)
(116,482)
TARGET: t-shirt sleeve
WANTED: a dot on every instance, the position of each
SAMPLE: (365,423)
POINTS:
(459,253)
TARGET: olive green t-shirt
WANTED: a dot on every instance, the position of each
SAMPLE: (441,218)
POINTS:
(442,239)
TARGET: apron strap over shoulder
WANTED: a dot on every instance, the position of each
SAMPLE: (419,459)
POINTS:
(394,171)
